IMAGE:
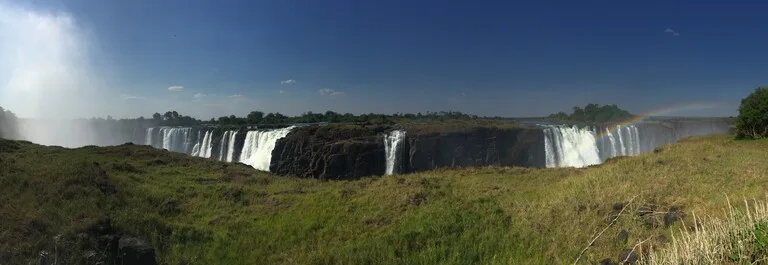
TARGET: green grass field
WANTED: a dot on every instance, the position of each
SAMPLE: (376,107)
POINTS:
(198,211)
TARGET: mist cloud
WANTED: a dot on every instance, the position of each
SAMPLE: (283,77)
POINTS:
(46,57)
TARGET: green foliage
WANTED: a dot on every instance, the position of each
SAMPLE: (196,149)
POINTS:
(258,117)
(752,121)
(200,211)
(592,113)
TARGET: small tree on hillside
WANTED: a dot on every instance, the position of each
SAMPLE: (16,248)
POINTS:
(752,122)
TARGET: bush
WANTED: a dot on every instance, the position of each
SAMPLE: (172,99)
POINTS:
(752,122)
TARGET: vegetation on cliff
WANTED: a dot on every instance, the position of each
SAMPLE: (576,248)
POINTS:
(752,121)
(258,117)
(198,211)
(592,113)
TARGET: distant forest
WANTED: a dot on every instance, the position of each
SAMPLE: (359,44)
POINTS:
(592,113)
(9,121)
(258,117)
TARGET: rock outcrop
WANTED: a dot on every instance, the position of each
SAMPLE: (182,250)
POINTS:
(481,146)
(330,152)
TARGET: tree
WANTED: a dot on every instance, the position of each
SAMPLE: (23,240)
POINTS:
(752,121)
(255,117)
(157,116)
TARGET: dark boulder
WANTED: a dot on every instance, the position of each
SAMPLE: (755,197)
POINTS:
(622,237)
(674,214)
(102,227)
(133,251)
(607,262)
(628,256)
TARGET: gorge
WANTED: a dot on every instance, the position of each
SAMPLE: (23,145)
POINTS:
(332,151)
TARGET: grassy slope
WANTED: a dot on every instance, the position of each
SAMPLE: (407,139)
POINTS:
(206,212)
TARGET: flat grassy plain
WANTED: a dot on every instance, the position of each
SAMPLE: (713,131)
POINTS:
(199,211)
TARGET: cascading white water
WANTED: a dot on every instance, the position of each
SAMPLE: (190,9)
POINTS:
(393,143)
(196,148)
(175,139)
(570,146)
(149,136)
(223,146)
(637,139)
(612,141)
(231,146)
(621,142)
(549,150)
(258,146)
(205,146)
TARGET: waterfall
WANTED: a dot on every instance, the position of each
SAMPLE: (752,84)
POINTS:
(393,146)
(196,148)
(637,139)
(258,146)
(231,146)
(621,142)
(570,146)
(149,136)
(612,141)
(549,150)
(175,139)
(223,145)
(206,147)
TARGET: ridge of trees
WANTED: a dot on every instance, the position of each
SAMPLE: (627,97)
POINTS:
(258,117)
(593,113)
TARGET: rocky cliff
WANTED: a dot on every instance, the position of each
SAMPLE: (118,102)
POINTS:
(349,152)
(480,146)
(330,152)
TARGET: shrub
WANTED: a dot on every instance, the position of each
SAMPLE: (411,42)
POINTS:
(752,122)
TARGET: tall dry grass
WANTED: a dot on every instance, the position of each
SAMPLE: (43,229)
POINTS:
(741,238)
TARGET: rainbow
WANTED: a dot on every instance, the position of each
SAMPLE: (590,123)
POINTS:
(659,112)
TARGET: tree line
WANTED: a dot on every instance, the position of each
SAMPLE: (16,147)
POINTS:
(258,117)
(593,113)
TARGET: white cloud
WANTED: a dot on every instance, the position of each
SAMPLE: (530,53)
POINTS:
(671,31)
(198,96)
(176,88)
(128,97)
(236,96)
(330,92)
(288,82)
(282,91)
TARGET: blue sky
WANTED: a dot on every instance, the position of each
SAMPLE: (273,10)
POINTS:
(507,58)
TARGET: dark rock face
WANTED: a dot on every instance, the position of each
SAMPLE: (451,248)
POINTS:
(628,256)
(622,237)
(672,216)
(338,152)
(476,147)
(135,252)
(330,152)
